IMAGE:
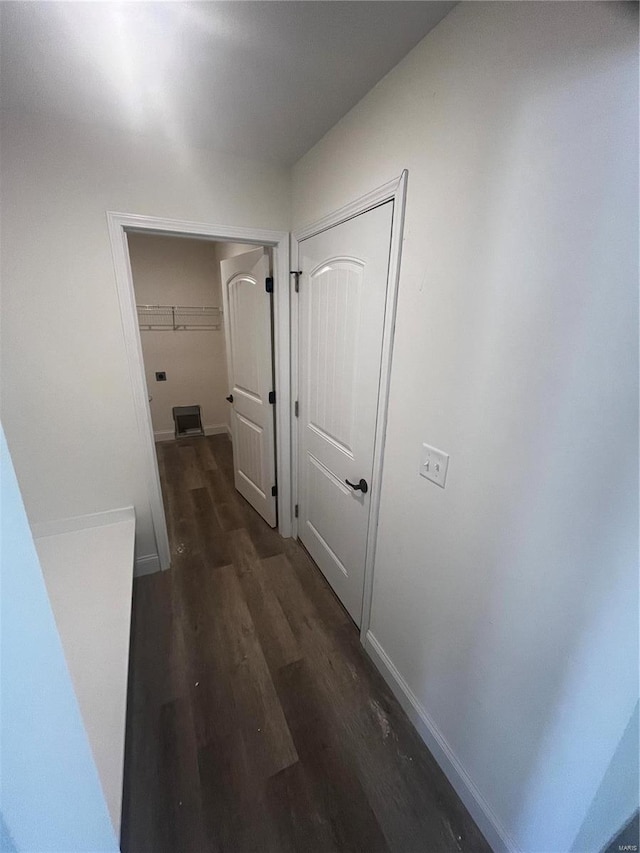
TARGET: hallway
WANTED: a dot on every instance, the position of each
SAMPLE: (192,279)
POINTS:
(256,722)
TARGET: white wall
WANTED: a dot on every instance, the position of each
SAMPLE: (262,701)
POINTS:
(66,394)
(178,271)
(230,250)
(500,599)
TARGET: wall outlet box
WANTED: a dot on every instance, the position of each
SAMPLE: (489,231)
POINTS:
(161,376)
(434,464)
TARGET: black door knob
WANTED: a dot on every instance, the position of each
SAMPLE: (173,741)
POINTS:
(359,487)
(230,398)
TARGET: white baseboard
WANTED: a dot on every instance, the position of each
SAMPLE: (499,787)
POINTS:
(487,820)
(214,429)
(146,565)
(218,429)
(82,522)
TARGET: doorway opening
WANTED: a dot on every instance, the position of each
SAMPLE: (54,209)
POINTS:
(205,319)
(172,311)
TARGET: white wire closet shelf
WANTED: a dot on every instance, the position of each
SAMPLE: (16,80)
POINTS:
(179,318)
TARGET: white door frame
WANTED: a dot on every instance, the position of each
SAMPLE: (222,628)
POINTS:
(396,191)
(121,223)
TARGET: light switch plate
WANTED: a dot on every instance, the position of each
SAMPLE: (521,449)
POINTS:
(434,464)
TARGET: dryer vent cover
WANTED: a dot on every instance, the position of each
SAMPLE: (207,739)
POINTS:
(187,421)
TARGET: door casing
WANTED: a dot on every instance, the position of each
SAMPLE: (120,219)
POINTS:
(119,225)
(395,190)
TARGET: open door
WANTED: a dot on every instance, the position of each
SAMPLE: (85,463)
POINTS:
(247,323)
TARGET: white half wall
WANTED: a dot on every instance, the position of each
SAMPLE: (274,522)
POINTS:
(505,606)
(66,394)
(87,565)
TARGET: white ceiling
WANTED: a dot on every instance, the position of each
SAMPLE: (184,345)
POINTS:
(265,79)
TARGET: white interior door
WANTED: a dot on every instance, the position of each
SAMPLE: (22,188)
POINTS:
(247,323)
(342,304)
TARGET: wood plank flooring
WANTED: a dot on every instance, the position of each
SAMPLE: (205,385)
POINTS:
(256,722)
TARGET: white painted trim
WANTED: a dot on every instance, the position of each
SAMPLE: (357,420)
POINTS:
(169,434)
(183,227)
(146,565)
(133,346)
(82,522)
(395,254)
(119,224)
(488,822)
(282,370)
(386,192)
(394,191)
(295,382)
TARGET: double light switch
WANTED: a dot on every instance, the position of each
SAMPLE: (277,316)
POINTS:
(434,464)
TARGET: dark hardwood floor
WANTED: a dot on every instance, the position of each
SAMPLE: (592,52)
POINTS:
(256,722)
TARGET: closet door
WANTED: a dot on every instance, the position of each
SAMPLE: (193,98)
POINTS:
(247,323)
(342,296)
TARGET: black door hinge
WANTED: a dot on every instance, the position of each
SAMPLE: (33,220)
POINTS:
(296,274)
(295,510)
(272,397)
(268,284)
(296,409)
(274,491)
